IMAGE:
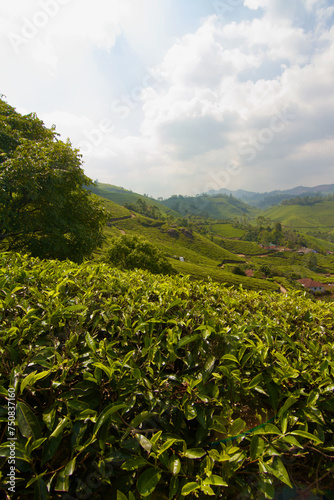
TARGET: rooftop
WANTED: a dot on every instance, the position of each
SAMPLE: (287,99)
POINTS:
(309,283)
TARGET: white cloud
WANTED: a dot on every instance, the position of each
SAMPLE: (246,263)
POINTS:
(223,89)
(206,110)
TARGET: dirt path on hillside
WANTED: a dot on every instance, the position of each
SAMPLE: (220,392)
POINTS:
(283,290)
(122,231)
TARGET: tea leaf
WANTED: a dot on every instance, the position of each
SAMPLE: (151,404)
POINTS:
(148,481)
(28,423)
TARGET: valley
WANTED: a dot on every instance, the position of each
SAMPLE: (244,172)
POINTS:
(236,244)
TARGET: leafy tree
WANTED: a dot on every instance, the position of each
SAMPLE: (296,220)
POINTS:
(44,208)
(311,261)
(141,207)
(266,237)
(14,127)
(132,252)
(237,270)
(277,235)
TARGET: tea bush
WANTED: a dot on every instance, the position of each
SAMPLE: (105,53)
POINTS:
(131,385)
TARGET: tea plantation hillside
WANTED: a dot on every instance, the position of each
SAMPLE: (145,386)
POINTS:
(203,257)
(217,206)
(318,216)
(130,385)
(225,250)
(123,196)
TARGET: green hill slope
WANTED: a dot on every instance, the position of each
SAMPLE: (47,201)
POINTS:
(113,208)
(319,215)
(217,207)
(202,257)
(121,196)
(212,250)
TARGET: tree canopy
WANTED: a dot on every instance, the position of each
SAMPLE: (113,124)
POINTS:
(132,252)
(44,208)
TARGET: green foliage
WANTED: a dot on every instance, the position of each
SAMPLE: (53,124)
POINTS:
(123,197)
(43,207)
(237,270)
(14,127)
(217,206)
(314,218)
(242,247)
(224,277)
(307,200)
(226,230)
(132,252)
(143,208)
(130,385)
(266,231)
(311,261)
(193,247)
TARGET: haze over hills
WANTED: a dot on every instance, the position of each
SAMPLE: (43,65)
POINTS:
(267,199)
(216,204)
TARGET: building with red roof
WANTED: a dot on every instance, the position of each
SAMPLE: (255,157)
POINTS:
(311,285)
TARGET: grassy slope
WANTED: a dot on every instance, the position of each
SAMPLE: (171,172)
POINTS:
(202,256)
(217,207)
(242,247)
(322,244)
(224,277)
(317,216)
(199,249)
(122,196)
(113,208)
(226,230)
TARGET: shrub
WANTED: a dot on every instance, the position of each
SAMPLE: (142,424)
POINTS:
(132,252)
(237,270)
(130,385)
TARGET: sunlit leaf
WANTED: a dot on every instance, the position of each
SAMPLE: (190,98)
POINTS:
(32,378)
(195,453)
(28,423)
(189,488)
(306,435)
(148,481)
(174,465)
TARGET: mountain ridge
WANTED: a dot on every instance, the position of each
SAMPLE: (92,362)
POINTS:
(202,202)
(269,198)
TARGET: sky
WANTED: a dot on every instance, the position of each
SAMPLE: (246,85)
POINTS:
(183,97)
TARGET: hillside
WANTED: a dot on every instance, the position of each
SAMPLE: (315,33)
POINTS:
(205,249)
(216,207)
(314,217)
(123,196)
(203,258)
(129,385)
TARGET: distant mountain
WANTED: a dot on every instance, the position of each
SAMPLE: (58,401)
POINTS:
(268,199)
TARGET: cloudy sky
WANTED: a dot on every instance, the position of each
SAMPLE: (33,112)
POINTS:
(179,96)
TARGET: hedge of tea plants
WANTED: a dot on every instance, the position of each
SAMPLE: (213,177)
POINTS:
(130,385)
